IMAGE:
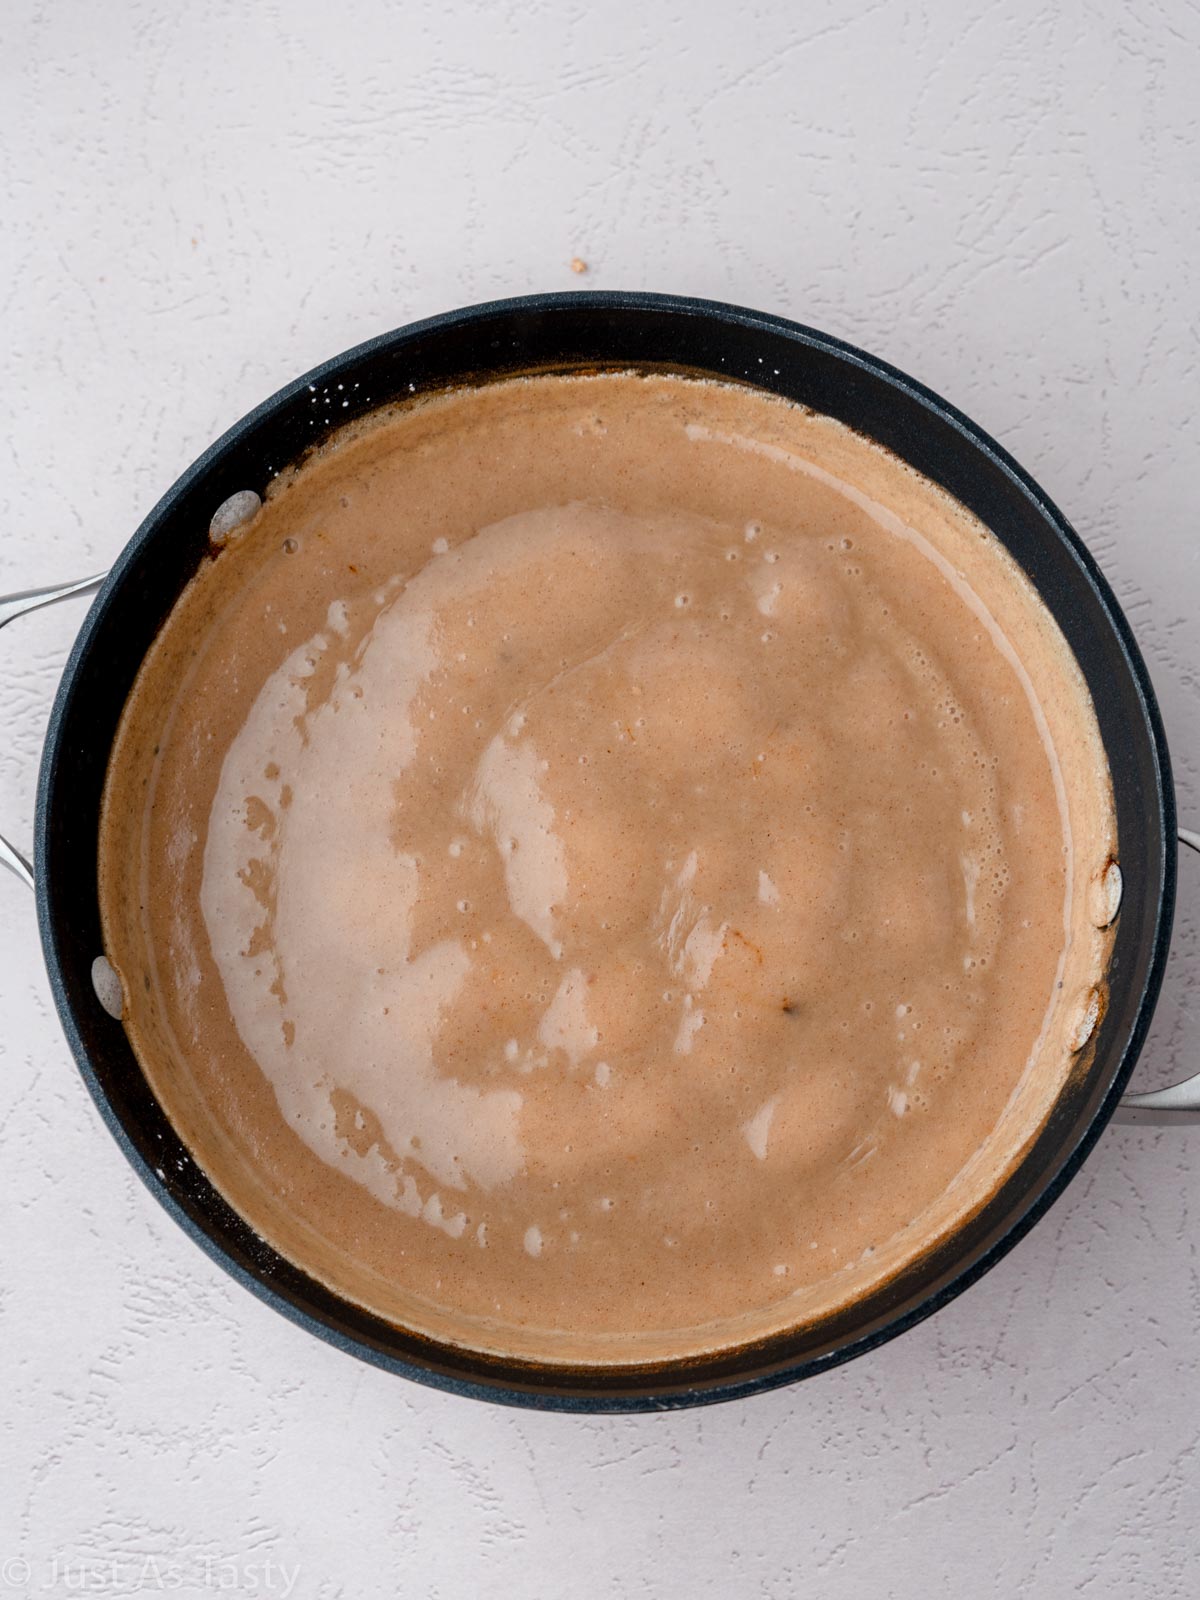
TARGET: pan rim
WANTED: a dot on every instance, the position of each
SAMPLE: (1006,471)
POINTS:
(674,1384)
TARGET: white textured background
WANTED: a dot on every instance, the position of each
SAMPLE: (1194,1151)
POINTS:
(197,203)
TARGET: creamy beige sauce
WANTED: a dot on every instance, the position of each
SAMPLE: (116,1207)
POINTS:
(604,867)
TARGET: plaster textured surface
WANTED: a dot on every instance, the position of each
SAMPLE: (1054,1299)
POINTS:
(201,202)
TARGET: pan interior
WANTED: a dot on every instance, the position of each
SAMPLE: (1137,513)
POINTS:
(909,840)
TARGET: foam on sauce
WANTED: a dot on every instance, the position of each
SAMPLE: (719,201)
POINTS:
(616,864)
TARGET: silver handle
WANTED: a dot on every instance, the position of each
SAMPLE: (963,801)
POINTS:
(12,858)
(11,607)
(16,605)
(1179,1103)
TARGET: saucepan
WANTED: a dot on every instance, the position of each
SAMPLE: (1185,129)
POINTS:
(589,332)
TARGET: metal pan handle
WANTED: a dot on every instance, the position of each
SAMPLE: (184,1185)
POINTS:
(11,607)
(1179,1103)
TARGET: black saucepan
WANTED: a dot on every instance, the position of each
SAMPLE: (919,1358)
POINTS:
(563,333)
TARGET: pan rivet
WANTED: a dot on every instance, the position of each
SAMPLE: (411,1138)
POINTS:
(231,513)
(1086,1020)
(108,988)
(1106,895)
